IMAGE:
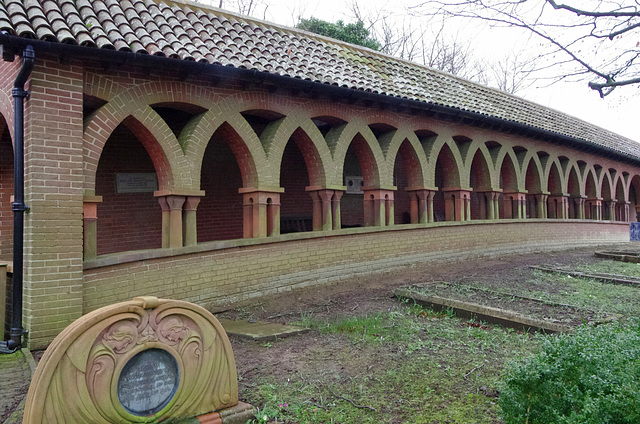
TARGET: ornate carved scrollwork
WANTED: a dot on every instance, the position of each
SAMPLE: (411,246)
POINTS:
(77,378)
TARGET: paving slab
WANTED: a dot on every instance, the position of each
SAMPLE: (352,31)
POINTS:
(260,330)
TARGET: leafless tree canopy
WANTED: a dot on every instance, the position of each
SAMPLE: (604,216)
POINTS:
(596,39)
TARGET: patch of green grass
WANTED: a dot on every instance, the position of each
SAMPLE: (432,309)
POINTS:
(411,365)
(613,267)
(587,293)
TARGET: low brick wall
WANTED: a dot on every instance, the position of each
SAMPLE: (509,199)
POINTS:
(217,275)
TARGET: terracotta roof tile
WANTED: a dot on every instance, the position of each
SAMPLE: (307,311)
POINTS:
(188,31)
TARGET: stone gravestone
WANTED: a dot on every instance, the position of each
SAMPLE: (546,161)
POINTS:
(146,360)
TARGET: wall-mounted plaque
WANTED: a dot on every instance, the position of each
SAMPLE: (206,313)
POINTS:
(136,182)
(354,184)
(148,382)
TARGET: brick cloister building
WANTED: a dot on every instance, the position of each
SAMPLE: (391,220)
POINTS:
(190,153)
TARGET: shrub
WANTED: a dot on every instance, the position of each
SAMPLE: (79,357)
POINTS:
(591,376)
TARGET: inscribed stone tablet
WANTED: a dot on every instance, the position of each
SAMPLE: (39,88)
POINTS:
(148,382)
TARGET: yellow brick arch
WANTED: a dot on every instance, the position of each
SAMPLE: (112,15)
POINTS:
(478,146)
(174,171)
(438,145)
(573,169)
(6,110)
(553,163)
(391,143)
(531,159)
(340,138)
(246,145)
(606,185)
(506,153)
(278,133)
(591,175)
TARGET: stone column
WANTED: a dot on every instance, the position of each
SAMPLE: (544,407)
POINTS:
(335,209)
(492,204)
(560,207)
(579,203)
(611,209)
(457,204)
(421,208)
(175,220)
(543,213)
(430,212)
(594,208)
(627,206)
(189,221)
(326,208)
(515,205)
(171,220)
(261,212)
(166,221)
(378,207)
(90,220)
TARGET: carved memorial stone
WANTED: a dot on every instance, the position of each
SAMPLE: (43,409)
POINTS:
(146,360)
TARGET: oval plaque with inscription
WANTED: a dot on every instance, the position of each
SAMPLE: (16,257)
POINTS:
(148,382)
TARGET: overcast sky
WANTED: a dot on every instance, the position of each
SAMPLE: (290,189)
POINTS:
(618,112)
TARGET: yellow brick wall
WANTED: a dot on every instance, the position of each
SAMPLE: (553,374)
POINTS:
(234,275)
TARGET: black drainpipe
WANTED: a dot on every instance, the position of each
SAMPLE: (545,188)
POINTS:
(19,94)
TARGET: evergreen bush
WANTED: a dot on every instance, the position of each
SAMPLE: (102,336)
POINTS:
(591,376)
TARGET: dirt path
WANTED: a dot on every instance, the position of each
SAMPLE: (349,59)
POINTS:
(314,355)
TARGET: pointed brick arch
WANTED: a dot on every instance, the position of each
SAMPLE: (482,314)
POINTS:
(480,175)
(161,143)
(591,188)
(245,144)
(509,171)
(6,110)
(554,180)
(410,144)
(533,181)
(309,140)
(341,138)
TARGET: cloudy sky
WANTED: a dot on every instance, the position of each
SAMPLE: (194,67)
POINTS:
(617,112)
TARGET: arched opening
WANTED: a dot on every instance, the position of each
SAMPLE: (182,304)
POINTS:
(299,169)
(359,172)
(130,217)
(536,205)
(556,201)
(608,207)
(6,191)
(634,198)
(407,173)
(220,210)
(575,202)
(447,178)
(480,182)
(593,204)
(621,202)
(510,207)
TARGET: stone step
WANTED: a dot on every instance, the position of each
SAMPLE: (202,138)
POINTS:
(260,330)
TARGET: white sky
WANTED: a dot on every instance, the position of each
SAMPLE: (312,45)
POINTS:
(619,112)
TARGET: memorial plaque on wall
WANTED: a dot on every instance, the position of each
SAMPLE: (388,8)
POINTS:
(136,182)
(148,382)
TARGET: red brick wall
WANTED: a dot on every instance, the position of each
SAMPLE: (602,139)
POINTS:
(220,210)
(6,191)
(126,221)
